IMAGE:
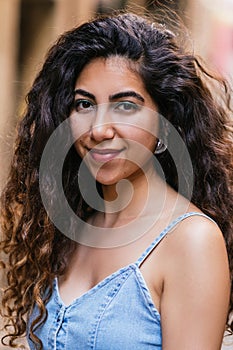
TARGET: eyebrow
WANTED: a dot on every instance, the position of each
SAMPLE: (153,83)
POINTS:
(126,94)
(111,97)
(84,93)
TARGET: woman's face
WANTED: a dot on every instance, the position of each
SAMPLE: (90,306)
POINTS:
(111,120)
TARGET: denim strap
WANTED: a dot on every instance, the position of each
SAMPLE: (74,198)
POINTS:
(159,238)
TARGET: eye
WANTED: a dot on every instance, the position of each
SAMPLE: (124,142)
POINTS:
(83,106)
(126,107)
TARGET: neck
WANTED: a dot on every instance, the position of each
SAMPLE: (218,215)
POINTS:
(141,195)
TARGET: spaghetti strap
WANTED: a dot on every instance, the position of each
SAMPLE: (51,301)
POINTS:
(164,232)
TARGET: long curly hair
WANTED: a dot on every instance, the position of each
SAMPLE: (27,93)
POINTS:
(178,83)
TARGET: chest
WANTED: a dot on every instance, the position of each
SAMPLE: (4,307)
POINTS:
(118,313)
(93,266)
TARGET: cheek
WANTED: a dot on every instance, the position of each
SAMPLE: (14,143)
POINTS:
(141,148)
(79,126)
(144,138)
(78,145)
(149,141)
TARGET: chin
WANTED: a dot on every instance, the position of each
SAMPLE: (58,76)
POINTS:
(107,182)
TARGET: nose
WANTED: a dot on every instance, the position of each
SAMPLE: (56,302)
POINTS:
(102,127)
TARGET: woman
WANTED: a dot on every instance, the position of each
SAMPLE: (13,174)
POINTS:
(129,106)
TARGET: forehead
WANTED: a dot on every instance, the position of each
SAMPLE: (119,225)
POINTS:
(105,77)
(111,71)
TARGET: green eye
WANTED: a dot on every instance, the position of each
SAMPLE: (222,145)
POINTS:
(83,106)
(126,107)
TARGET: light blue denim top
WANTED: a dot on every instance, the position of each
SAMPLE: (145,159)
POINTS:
(116,314)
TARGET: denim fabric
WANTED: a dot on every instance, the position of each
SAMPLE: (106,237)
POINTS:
(117,314)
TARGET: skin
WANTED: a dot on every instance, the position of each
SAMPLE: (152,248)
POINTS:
(187,274)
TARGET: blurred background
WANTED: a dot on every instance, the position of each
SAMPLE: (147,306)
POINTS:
(29,27)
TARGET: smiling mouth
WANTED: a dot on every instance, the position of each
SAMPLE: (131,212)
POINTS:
(103,155)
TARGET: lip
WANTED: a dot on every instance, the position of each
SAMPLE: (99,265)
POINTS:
(104,155)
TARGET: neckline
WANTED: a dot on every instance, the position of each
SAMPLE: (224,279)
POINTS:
(92,290)
(133,266)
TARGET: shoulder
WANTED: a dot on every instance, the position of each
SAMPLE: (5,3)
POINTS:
(195,237)
(196,256)
(198,224)
(196,284)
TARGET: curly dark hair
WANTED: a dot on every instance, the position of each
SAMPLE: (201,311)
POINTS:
(178,83)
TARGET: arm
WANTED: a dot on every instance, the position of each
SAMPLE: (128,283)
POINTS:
(195,299)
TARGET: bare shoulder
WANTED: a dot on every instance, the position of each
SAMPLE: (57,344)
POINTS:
(195,252)
(194,243)
(195,234)
(196,285)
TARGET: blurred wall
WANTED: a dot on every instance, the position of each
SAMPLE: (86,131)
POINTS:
(9,29)
(211,24)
